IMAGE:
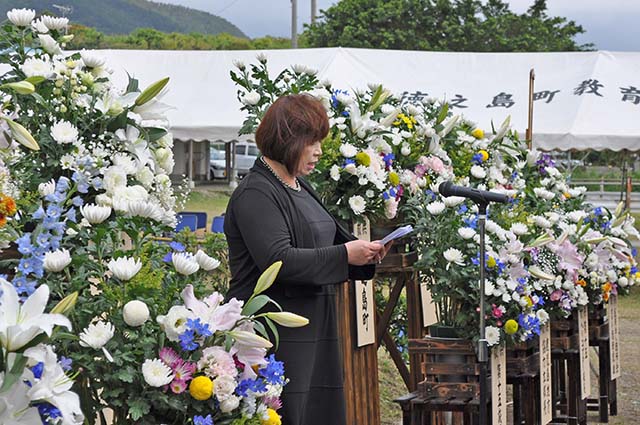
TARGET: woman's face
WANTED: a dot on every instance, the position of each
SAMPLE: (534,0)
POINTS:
(308,159)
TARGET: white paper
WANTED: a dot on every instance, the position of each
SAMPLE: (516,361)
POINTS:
(398,233)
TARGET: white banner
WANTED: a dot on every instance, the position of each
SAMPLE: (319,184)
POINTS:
(546,403)
(499,385)
(583,338)
(429,316)
(614,337)
(365,301)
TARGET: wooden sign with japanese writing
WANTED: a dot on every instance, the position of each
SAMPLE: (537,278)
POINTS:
(583,339)
(614,337)
(365,301)
(429,316)
(546,403)
(499,385)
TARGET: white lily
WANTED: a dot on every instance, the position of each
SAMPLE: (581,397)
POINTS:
(54,386)
(14,406)
(20,323)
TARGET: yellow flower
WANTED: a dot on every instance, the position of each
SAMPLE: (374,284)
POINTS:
(273,419)
(491,262)
(7,205)
(201,388)
(566,195)
(529,302)
(582,282)
(394,179)
(363,158)
(511,327)
(485,154)
(478,133)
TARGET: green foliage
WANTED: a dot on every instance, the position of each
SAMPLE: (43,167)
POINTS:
(150,38)
(443,25)
(124,16)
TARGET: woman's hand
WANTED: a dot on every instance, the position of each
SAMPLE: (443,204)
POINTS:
(361,252)
(385,250)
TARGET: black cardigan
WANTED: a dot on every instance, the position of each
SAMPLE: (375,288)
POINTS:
(262,226)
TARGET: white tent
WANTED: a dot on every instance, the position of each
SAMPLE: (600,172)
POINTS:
(585,100)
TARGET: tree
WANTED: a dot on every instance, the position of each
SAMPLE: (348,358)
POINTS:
(449,25)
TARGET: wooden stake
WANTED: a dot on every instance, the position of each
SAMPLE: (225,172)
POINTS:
(529,132)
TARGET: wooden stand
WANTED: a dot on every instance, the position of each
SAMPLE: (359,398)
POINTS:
(451,382)
(565,355)
(606,404)
(523,372)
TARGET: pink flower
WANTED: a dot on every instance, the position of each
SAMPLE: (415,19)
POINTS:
(215,361)
(183,370)
(420,170)
(434,163)
(178,387)
(272,402)
(169,357)
(556,295)
(496,311)
(219,317)
(390,208)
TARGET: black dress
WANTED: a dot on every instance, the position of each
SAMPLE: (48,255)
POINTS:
(267,222)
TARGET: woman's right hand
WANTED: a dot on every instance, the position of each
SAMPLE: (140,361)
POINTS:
(361,252)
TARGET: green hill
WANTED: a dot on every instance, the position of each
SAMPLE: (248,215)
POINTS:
(124,16)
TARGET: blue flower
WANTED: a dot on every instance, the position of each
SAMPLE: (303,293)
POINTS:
(273,372)
(477,159)
(42,240)
(65,363)
(348,161)
(168,258)
(201,420)
(430,193)
(177,246)
(37,370)
(198,327)
(54,211)
(385,195)
(38,214)
(388,159)
(77,201)
(48,411)
(462,209)
(63,185)
(530,324)
(187,341)
(24,244)
(253,385)
(471,222)
(598,211)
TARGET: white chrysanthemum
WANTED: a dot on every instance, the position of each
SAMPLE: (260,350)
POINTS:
(124,268)
(229,404)
(492,335)
(519,229)
(64,132)
(47,188)
(206,262)
(542,222)
(224,386)
(357,204)
(348,150)
(185,263)
(143,209)
(478,172)
(90,59)
(33,67)
(95,214)
(54,23)
(49,44)
(466,232)
(335,172)
(576,216)
(174,322)
(239,64)
(452,201)
(21,17)
(96,335)
(135,313)
(436,208)
(156,373)
(543,316)
(56,261)
(453,255)
(39,27)
(544,193)
(145,176)
(251,98)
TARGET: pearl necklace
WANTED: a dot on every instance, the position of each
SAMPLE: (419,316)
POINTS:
(296,188)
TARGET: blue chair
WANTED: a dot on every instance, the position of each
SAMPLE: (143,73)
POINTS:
(217,225)
(186,220)
(202,220)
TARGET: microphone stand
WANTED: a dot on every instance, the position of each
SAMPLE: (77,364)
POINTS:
(482,349)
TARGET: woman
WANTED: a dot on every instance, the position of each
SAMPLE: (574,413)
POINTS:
(274,215)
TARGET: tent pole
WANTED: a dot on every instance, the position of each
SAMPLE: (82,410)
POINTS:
(191,163)
(529,132)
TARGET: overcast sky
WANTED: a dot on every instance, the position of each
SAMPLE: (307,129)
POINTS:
(610,24)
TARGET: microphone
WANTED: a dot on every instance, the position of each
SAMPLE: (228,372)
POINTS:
(447,189)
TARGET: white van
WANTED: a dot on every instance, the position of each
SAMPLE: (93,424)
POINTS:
(246,155)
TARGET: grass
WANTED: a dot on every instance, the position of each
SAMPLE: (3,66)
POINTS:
(391,387)
(212,202)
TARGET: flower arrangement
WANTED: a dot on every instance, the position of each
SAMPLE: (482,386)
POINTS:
(88,164)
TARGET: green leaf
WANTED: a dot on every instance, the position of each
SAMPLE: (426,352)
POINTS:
(274,331)
(443,113)
(255,304)
(155,133)
(151,91)
(132,86)
(15,373)
(125,375)
(138,408)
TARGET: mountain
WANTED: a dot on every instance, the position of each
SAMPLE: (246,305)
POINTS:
(124,16)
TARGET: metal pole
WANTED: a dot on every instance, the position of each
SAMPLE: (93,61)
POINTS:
(529,132)
(294,24)
(191,163)
(314,7)
(482,343)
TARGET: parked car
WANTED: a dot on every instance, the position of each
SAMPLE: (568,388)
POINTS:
(246,155)
(217,163)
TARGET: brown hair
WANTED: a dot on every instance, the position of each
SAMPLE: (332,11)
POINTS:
(289,125)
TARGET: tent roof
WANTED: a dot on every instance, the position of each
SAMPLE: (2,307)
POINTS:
(604,114)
